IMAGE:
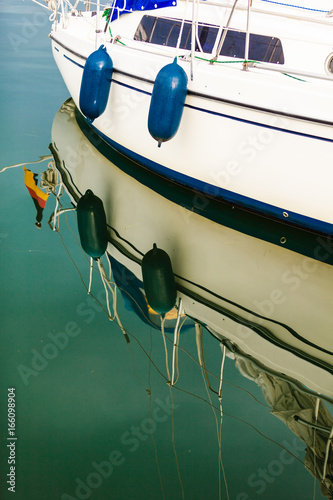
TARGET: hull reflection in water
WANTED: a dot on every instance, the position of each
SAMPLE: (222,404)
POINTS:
(270,308)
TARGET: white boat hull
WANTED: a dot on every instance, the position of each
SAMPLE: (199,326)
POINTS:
(247,141)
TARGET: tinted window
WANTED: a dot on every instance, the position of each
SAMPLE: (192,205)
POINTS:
(262,48)
(165,32)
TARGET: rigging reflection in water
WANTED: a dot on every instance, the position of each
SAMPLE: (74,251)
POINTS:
(282,352)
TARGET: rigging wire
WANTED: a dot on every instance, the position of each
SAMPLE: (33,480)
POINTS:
(223,348)
(174,443)
(200,351)
(314,447)
(151,431)
(328,446)
(165,349)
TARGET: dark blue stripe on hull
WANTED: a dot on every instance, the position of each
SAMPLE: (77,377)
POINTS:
(216,192)
(311,242)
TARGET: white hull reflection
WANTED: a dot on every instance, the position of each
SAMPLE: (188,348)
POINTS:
(269,304)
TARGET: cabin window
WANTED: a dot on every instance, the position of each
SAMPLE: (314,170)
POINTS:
(162,31)
(261,48)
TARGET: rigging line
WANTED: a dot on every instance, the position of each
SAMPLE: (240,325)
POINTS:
(113,290)
(225,381)
(165,349)
(243,421)
(90,274)
(328,445)
(175,344)
(144,313)
(145,352)
(314,447)
(149,394)
(224,31)
(55,213)
(177,367)
(62,241)
(136,372)
(296,6)
(84,284)
(110,270)
(108,313)
(200,352)
(293,382)
(42,158)
(223,347)
(174,443)
(111,318)
(205,401)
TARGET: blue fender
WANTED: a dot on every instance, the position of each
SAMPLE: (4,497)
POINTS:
(96,83)
(167,102)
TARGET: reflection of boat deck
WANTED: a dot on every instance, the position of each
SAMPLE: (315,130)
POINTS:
(274,304)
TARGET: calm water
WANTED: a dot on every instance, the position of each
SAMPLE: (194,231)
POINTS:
(82,415)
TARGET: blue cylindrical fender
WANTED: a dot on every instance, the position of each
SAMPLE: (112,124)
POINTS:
(95,83)
(91,221)
(167,102)
(158,280)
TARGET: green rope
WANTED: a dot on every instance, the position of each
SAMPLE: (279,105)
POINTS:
(223,62)
(106,15)
(295,77)
(121,43)
(243,61)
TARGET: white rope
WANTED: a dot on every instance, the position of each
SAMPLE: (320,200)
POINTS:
(55,214)
(113,289)
(176,335)
(41,5)
(181,29)
(175,343)
(200,350)
(328,445)
(110,270)
(222,368)
(90,274)
(165,348)
(101,270)
(223,347)
(314,446)
(42,158)
(201,358)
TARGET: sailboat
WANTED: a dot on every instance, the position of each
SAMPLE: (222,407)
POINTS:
(231,100)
